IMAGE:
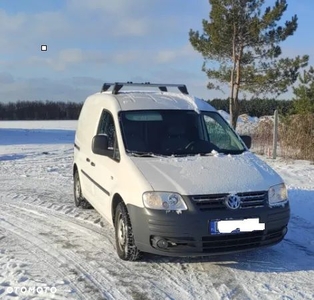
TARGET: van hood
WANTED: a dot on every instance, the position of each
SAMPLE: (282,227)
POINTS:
(214,174)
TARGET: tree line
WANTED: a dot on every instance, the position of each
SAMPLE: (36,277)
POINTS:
(40,110)
(257,107)
(49,110)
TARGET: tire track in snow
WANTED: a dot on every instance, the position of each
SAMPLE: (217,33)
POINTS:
(41,236)
(75,220)
(101,264)
(180,287)
(177,282)
(189,285)
(172,283)
(212,280)
(53,262)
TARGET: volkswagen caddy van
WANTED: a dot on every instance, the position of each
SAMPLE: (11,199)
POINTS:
(171,176)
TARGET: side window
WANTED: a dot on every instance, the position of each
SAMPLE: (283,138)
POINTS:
(106,126)
(217,134)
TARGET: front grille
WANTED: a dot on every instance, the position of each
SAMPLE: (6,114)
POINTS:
(217,201)
(240,241)
(253,199)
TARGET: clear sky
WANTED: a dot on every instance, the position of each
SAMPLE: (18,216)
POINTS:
(93,41)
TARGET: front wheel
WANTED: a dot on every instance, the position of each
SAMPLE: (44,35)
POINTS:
(125,244)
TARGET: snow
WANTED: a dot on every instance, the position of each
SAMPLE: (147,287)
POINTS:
(45,241)
(190,100)
(245,124)
(244,118)
(164,100)
(65,125)
(196,171)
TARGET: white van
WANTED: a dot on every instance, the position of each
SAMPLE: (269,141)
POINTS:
(172,177)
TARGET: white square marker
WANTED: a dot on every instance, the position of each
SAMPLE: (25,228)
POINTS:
(44,47)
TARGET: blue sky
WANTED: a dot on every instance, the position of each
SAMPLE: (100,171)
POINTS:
(93,41)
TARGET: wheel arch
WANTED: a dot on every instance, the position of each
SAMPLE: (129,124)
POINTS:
(116,199)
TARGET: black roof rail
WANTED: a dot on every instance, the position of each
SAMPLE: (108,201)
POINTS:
(117,86)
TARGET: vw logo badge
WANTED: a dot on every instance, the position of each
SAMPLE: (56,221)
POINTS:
(233,201)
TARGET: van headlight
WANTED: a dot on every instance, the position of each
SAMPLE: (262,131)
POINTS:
(164,201)
(277,194)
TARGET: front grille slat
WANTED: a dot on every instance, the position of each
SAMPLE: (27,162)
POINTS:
(252,198)
(251,201)
(217,201)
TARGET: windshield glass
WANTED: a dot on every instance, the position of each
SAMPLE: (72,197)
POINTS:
(177,132)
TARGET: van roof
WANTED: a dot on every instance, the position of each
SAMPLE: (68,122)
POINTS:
(145,100)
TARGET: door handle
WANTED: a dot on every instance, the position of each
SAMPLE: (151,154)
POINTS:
(93,164)
(87,159)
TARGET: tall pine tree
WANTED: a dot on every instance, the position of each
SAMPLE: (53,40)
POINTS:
(240,46)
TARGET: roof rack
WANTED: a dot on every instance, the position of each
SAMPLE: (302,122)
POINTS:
(117,86)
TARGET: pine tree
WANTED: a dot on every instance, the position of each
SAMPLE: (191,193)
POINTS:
(241,41)
(304,93)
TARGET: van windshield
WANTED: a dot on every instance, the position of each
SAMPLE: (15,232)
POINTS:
(177,132)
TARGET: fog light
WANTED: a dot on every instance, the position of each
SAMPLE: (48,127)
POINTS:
(162,244)
(159,242)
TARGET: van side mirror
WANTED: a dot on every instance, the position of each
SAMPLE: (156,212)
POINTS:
(100,145)
(247,140)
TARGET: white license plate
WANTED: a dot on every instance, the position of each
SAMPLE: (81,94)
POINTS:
(235,226)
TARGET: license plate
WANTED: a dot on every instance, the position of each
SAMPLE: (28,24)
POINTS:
(235,226)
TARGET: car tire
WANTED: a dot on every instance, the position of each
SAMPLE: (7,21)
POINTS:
(79,199)
(125,243)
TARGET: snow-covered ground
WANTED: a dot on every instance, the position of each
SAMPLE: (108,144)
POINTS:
(67,125)
(67,253)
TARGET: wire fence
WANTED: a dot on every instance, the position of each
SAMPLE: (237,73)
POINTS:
(295,138)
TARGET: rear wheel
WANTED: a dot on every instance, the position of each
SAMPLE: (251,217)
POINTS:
(125,244)
(79,200)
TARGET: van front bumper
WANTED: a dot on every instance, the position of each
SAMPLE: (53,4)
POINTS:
(188,233)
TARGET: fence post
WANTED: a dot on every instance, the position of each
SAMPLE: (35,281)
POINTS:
(275,135)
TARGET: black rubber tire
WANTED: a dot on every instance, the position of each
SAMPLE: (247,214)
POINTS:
(128,250)
(79,200)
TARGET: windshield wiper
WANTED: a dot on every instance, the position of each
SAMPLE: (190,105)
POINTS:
(233,152)
(224,152)
(206,154)
(143,154)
